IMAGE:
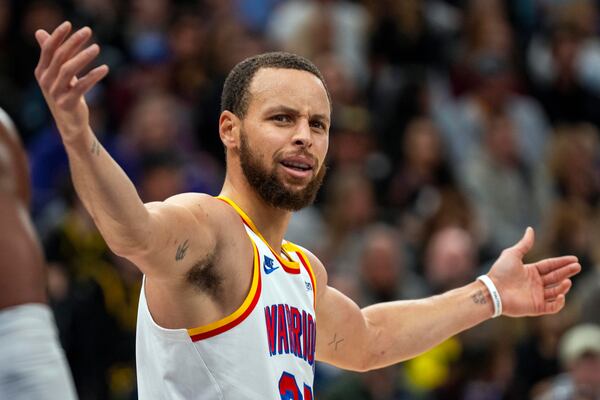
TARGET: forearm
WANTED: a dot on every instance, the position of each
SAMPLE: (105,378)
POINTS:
(108,194)
(387,333)
(400,330)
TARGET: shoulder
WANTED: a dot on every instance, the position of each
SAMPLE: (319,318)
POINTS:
(317,267)
(215,218)
(202,206)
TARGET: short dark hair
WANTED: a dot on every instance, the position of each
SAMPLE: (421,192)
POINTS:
(236,96)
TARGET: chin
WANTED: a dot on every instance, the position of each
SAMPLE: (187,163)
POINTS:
(293,184)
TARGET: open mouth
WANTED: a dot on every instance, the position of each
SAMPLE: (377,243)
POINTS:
(297,166)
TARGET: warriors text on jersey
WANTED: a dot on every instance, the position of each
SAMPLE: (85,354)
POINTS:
(264,350)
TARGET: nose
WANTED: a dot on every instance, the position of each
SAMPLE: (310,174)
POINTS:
(302,135)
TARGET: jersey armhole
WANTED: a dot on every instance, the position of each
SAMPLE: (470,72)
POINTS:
(239,315)
(289,246)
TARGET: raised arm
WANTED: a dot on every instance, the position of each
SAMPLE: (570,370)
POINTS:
(387,333)
(154,236)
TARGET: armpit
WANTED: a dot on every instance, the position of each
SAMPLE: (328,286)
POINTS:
(205,278)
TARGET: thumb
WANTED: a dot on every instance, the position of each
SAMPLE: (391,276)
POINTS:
(41,36)
(526,242)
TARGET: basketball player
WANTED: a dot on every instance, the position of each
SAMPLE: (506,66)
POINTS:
(229,309)
(33,365)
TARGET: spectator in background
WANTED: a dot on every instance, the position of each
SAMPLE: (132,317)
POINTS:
(537,349)
(188,51)
(450,259)
(311,28)
(349,209)
(227,43)
(463,123)
(420,178)
(158,123)
(580,358)
(489,87)
(162,176)
(147,25)
(32,115)
(410,45)
(507,195)
(104,16)
(485,31)
(564,63)
(587,292)
(385,273)
(573,159)
(569,227)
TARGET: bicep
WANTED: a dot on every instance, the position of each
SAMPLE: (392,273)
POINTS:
(341,330)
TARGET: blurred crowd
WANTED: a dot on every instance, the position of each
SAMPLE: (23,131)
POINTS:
(456,124)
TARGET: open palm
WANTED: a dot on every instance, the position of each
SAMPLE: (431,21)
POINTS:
(532,289)
(62,58)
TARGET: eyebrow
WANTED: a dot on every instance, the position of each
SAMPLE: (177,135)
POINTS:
(294,112)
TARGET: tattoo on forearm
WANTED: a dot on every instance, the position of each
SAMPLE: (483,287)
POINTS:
(479,298)
(335,341)
(95,148)
(181,250)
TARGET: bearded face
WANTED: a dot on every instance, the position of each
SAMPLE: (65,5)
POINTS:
(271,185)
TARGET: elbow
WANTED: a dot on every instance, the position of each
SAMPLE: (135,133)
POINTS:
(374,353)
(371,355)
(126,251)
(364,363)
(370,360)
(130,247)
(362,367)
(125,241)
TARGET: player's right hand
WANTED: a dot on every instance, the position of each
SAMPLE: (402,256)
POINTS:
(62,58)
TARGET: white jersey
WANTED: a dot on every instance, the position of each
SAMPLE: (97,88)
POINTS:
(263,350)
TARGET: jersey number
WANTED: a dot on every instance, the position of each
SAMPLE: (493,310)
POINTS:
(288,389)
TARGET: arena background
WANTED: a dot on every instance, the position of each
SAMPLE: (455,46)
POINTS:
(456,124)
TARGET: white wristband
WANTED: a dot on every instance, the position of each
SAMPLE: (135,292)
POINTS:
(493,293)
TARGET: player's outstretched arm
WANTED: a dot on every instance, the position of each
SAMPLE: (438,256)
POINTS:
(387,333)
(153,236)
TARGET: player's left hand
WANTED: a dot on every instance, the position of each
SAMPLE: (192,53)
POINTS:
(532,289)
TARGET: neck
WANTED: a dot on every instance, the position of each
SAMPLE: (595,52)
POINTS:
(270,221)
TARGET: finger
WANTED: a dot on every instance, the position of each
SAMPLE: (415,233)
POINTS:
(550,264)
(526,242)
(70,69)
(51,44)
(556,276)
(67,50)
(88,81)
(41,36)
(554,306)
(552,292)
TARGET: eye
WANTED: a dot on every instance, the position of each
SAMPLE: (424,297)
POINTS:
(283,118)
(318,125)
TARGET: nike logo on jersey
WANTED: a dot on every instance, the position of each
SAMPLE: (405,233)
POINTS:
(268,265)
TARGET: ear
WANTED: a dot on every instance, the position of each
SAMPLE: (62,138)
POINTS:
(229,129)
